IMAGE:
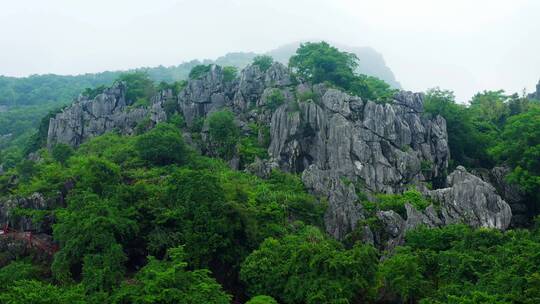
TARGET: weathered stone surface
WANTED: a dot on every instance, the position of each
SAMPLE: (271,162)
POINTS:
(204,95)
(386,146)
(344,211)
(467,200)
(511,193)
(108,111)
(472,201)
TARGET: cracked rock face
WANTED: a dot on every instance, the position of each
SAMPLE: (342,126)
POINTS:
(511,193)
(472,201)
(387,147)
(467,200)
(344,211)
(108,111)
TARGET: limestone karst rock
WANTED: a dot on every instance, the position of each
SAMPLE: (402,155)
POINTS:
(466,200)
(510,192)
(108,111)
(341,144)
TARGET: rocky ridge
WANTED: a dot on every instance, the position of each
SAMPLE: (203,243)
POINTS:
(343,146)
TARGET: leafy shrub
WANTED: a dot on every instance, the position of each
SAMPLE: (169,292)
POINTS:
(175,87)
(62,152)
(229,73)
(139,86)
(323,63)
(396,202)
(32,291)
(170,106)
(264,62)
(141,103)
(88,231)
(262,300)
(94,174)
(168,281)
(306,96)
(162,145)
(198,71)
(223,134)
(308,268)
(17,271)
(91,93)
(402,274)
(275,99)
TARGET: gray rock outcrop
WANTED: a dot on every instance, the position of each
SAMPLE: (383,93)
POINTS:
(386,146)
(108,111)
(511,193)
(344,210)
(471,201)
(467,200)
(341,144)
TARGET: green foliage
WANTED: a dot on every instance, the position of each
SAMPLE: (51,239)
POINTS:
(307,95)
(229,73)
(197,214)
(321,62)
(95,174)
(262,300)
(143,125)
(251,146)
(462,137)
(308,268)
(170,106)
(176,86)
(197,72)
(17,271)
(89,231)
(140,88)
(168,281)
(520,148)
(91,93)
(36,292)
(402,274)
(163,145)
(141,103)
(264,62)
(26,168)
(397,202)
(275,99)
(456,264)
(39,138)
(223,134)
(62,152)
(372,88)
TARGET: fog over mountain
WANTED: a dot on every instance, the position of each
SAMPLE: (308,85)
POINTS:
(466,46)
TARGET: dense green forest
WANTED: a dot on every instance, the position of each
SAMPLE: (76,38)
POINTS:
(148,219)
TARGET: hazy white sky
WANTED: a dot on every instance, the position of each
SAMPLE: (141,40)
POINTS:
(463,45)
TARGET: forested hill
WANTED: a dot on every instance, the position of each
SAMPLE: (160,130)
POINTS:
(307,183)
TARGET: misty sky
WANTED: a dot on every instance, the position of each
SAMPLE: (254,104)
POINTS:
(463,45)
